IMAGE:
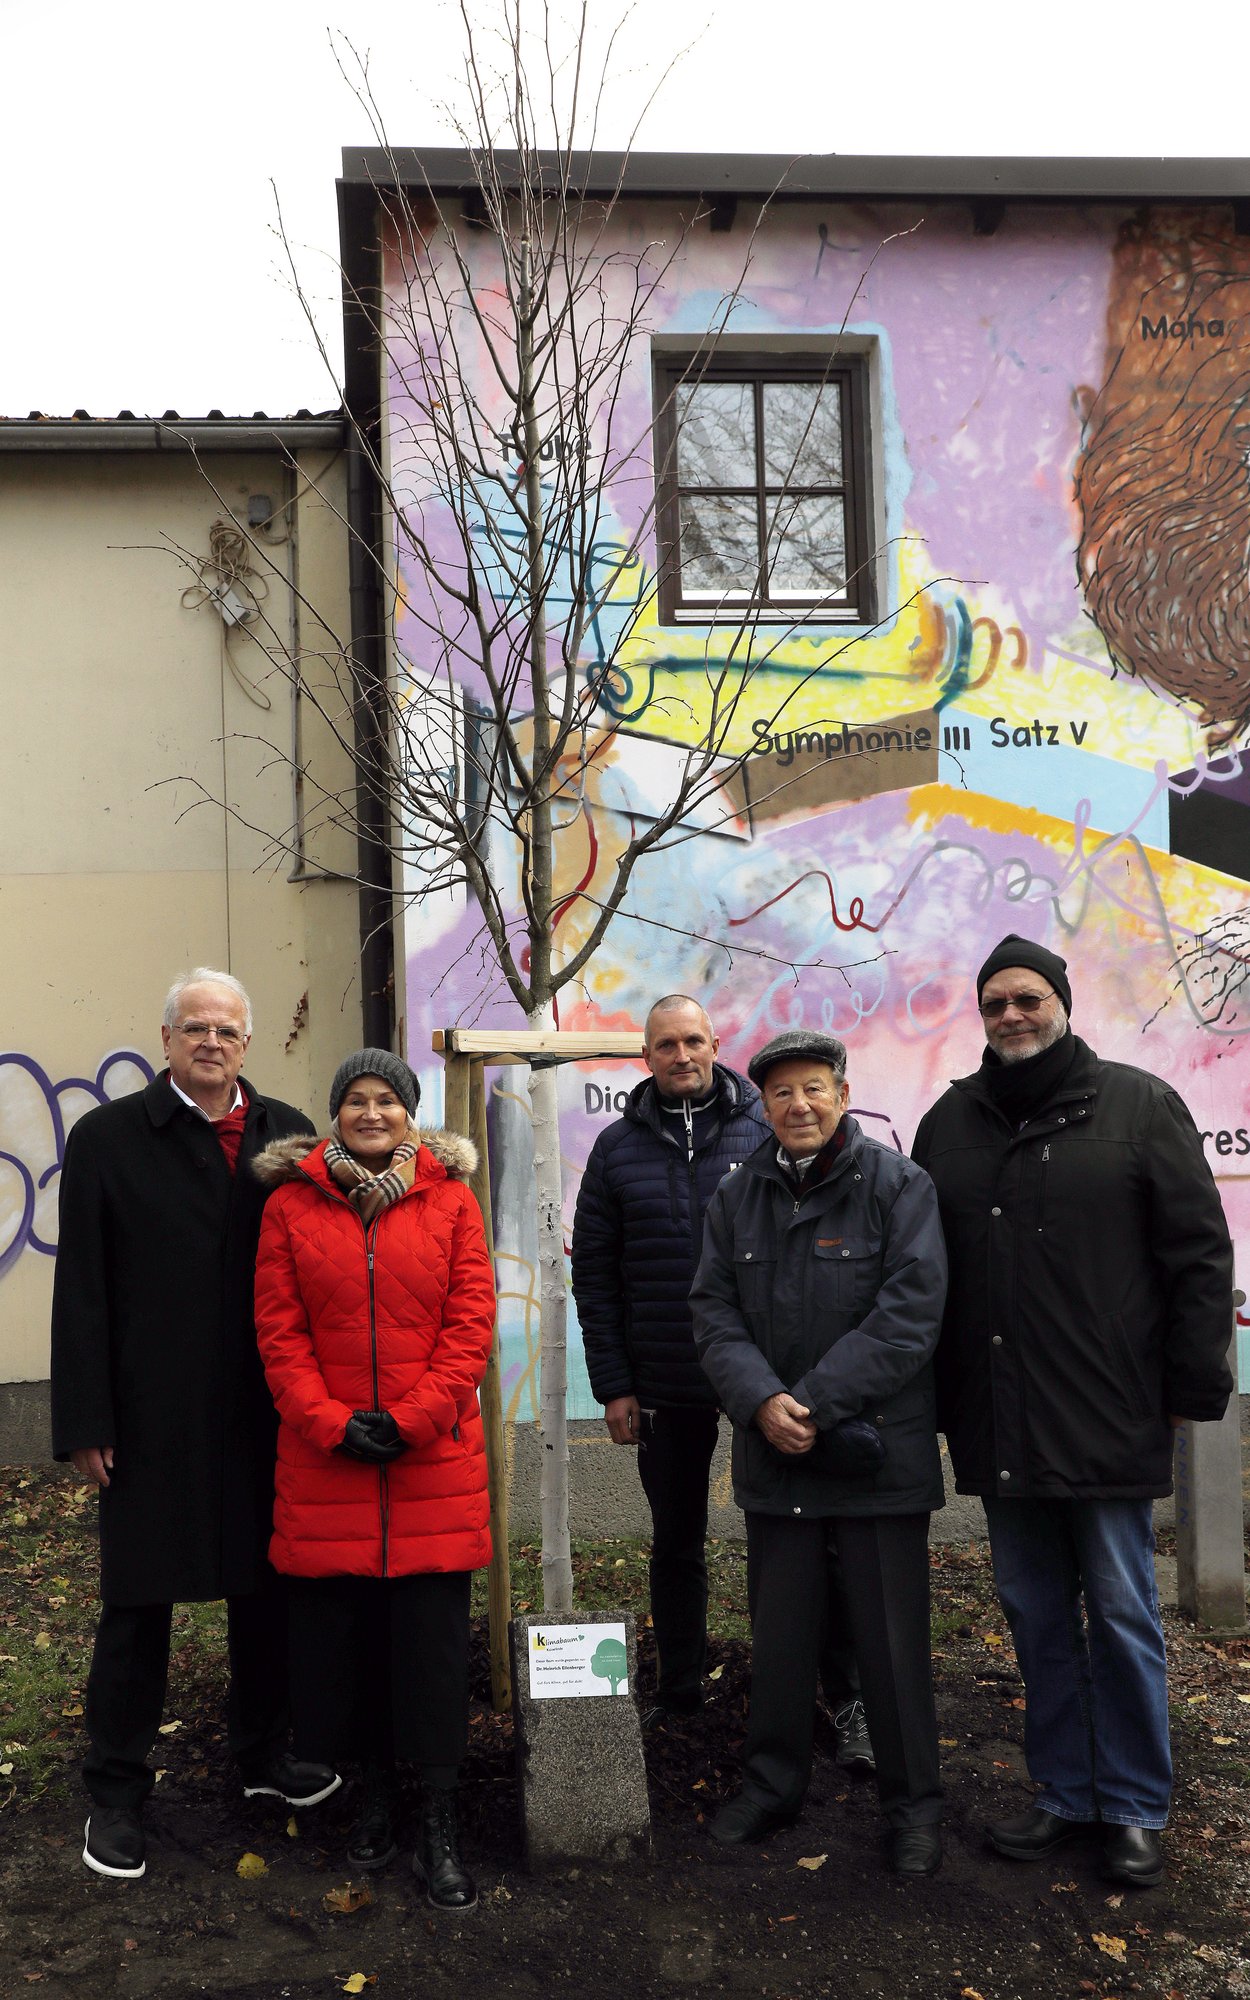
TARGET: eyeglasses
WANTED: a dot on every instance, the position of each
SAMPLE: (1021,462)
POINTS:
(199,1031)
(1025,1003)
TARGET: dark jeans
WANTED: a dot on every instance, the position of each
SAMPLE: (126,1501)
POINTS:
(884,1561)
(380,1670)
(1077,1582)
(674,1463)
(126,1690)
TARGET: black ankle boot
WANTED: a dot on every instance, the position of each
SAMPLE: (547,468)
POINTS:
(371,1843)
(437,1863)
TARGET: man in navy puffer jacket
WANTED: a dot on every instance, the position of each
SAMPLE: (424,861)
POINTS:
(637,1239)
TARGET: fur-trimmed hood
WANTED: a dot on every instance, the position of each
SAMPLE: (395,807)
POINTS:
(282,1161)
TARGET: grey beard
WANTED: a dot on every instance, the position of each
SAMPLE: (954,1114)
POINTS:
(1054,1033)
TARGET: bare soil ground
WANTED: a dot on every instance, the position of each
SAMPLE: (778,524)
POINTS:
(811,1916)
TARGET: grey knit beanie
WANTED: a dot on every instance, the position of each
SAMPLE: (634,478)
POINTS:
(376,1062)
(793,1045)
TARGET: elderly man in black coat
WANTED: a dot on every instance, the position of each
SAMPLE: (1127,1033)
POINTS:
(159,1397)
(1090,1311)
(816,1312)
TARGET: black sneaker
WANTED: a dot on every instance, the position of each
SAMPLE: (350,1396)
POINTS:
(854,1751)
(114,1843)
(282,1776)
(437,1863)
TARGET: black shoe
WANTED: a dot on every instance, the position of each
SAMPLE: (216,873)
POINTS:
(1132,1854)
(744,1819)
(371,1843)
(114,1843)
(854,1751)
(282,1776)
(437,1863)
(915,1850)
(1026,1836)
(663,1712)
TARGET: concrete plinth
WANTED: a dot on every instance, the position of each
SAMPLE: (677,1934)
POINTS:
(1210,1553)
(579,1754)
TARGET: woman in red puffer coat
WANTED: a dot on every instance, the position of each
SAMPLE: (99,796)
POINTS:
(375,1307)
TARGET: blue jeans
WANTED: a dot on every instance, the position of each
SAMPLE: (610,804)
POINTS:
(1096,1724)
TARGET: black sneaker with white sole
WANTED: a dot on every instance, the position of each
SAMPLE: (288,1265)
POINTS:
(282,1776)
(114,1844)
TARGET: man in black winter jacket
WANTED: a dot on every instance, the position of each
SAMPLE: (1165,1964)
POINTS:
(1089,1312)
(637,1236)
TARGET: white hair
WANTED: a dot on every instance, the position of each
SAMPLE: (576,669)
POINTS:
(205,975)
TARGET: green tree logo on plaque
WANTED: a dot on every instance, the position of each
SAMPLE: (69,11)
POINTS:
(610,1662)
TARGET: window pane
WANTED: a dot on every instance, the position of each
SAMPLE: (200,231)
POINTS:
(802,434)
(716,434)
(719,546)
(807,549)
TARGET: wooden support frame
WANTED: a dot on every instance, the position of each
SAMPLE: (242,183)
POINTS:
(466,1053)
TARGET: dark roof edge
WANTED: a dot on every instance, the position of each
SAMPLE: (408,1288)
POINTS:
(150,434)
(448,170)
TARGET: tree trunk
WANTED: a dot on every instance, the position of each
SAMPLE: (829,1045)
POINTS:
(553,1334)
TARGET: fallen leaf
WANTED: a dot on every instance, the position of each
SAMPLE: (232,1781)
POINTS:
(168,1728)
(1243,1697)
(130,1944)
(1063,1888)
(1222,1741)
(1174,1937)
(292,1828)
(1019,1701)
(1192,1698)
(42,1641)
(812,1861)
(999,1765)
(1209,1954)
(950,1743)
(1113,1947)
(992,1638)
(10,1660)
(969,1993)
(358,1982)
(716,1673)
(55,1603)
(1114,1902)
(75,1708)
(6,1770)
(352,1896)
(251,1867)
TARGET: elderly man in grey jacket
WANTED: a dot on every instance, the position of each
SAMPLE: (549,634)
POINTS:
(816,1309)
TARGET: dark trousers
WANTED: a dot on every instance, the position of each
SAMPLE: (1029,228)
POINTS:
(126,1690)
(380,1670)
(674,1463)
(884,1561)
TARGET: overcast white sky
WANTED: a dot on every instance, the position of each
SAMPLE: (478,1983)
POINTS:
(139,141)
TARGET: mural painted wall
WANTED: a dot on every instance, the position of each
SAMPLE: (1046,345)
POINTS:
(36,1117)
(1045,732)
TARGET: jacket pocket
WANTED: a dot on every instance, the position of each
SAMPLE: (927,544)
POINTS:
(757,1469)
(845,1274)
(755,1277)
(1136,1394)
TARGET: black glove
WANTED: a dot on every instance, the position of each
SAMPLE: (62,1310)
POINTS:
(853,1449)
(372,1436)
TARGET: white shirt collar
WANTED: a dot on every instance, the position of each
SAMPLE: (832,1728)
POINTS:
(199,1108)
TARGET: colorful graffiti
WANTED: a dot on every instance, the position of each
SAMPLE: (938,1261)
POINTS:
(1044,732)
(36,1117)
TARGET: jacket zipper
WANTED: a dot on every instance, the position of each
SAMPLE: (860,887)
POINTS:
(384,1492)
(1041,1188)
(696,1228)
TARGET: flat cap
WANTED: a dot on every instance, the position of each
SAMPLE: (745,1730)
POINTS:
(793,1046)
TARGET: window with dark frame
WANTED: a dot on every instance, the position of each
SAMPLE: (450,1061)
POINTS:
(763,489)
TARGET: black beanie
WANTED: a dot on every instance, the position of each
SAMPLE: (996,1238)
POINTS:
(1016,950)
(393,1070)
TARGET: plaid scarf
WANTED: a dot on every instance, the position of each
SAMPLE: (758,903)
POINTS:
(370,1193)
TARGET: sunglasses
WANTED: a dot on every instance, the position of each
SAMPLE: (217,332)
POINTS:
(1025,1003)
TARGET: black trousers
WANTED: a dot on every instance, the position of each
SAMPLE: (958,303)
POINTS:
(380,1670)
(674,1464)
(126,1690)
(884,1562)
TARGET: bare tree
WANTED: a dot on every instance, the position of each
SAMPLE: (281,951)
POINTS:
(509,325)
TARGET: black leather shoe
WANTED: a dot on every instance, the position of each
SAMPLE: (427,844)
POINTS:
(1027,1836)
(282,1776)
(371,1843)
(744,1819)
(113,1842)
(1132,1854)
(437,1863)
(854,1752)
(915,1850)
